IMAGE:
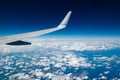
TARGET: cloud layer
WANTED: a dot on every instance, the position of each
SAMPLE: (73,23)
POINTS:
(57,60)
(59,44)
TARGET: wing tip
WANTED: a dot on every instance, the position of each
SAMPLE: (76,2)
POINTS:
(64,22)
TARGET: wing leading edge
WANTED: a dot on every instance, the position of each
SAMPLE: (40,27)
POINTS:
(20,37)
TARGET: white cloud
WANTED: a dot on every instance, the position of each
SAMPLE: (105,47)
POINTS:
(61,60)
(115,78)
(103,78)
(58,44)
(38,73)
(94,79)
(61,77)
(46,68)
(49,75)
(20,76)
(58,65)
(81,44)
(106,72)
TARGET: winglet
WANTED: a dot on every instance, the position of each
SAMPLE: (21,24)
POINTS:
(64,22)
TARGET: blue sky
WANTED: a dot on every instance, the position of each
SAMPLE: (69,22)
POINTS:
(89,17)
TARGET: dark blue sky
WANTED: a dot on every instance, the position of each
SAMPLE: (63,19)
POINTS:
(89,17)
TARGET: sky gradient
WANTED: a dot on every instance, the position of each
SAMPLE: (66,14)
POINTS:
(89,17)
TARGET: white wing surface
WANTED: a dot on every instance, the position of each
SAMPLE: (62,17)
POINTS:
(20,37)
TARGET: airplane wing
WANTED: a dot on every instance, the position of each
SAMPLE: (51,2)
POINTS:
(17,38)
